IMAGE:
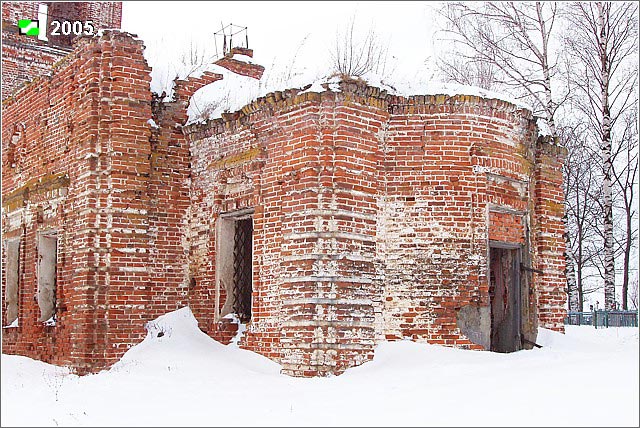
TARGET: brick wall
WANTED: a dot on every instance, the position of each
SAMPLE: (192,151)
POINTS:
(12,11)
(89,153)
(79,158)
(373,219)
(548,229)
(104,15)
(373,215)
(457,177)
(24,58)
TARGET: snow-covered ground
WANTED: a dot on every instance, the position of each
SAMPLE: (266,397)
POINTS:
(587,377)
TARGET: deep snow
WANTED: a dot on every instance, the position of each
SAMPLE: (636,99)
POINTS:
(587,377)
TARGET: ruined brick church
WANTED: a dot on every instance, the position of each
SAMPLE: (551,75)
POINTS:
(326,221)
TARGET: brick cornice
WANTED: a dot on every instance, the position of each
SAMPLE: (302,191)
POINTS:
(358,91)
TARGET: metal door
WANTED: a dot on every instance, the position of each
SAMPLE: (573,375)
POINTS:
(504,294)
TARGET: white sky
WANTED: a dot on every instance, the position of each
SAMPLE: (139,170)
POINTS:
(277,29)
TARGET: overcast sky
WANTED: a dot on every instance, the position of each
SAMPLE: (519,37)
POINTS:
(277,30)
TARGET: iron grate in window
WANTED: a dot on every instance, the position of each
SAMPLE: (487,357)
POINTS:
(242,255)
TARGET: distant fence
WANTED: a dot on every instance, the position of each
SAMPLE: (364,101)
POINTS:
(603,318)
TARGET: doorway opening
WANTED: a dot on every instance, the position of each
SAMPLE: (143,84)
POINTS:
(505,297)
(235,264)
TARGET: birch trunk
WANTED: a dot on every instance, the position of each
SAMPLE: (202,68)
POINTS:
(627,254)
(605,152)
(570,273)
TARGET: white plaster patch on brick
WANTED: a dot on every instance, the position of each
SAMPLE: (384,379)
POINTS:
(320,323)
(14,218)
(133,211)
(328,235)
(132,268)
(131,250)
(28,217)
(325,268)
(129,231)
(328,301)
(312,278)
(319,256)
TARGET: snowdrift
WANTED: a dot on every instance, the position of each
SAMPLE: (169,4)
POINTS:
(178,376)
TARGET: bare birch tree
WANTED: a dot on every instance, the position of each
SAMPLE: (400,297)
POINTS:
(471,72)
(625,178)
(633,294)
(510,45)
(512,42)
(581,190)
(603,38)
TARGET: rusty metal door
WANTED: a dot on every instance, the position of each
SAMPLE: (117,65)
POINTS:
(242,268)
(504,295)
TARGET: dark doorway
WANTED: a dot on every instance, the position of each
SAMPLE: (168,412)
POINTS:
(504,294)
(242,268)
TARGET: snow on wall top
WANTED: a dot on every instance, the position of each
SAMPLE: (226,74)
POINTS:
(235,91)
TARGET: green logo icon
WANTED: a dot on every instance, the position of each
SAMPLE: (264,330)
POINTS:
(29,27)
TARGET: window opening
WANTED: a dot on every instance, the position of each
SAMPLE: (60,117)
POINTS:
(47,276)
(12,285)
(242,268)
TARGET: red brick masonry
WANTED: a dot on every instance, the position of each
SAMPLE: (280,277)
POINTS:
(372,213)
